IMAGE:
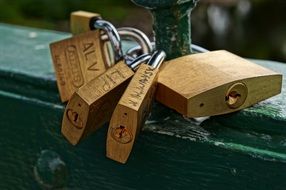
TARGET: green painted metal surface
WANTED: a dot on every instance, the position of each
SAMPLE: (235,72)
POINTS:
(171,24)
(243,150)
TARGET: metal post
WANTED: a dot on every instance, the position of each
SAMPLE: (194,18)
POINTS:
(171,24)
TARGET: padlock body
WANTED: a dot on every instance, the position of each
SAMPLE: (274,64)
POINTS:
(77,60)
(92,104)
(214,83)
(80,21)
(131,113)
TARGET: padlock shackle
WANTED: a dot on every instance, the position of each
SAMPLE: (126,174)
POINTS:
(145,45)
(157,59)
(198,49)
(138,61)
(140,37)
(113,36)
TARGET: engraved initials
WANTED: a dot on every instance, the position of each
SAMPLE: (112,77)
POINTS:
(90,55)
(136,95)
(111,79)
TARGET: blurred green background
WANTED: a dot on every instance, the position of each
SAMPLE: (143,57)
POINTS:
(250,28)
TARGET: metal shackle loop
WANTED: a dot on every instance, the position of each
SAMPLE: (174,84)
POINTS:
(136,35)
(134,51)
(138,61)
(113,36)
(140,37)
(129,33)
(157,59)
(137,50)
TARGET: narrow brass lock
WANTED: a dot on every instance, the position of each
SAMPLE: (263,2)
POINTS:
(214,83)
(132,109)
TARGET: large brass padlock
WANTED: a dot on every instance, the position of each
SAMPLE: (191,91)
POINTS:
(214,83)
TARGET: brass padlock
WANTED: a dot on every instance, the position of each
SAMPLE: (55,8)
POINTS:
(80,59)
(214,83)
(132,109)
(92,104)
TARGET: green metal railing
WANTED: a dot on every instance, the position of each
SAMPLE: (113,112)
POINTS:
(172,25)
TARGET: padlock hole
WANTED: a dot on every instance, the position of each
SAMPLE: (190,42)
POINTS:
(232,97)
(75,119)
(121,134)
(122,130)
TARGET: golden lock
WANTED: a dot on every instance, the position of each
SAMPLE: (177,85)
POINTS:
(92,104)
(76,61)
(80,59)
(132,109)
(214,83)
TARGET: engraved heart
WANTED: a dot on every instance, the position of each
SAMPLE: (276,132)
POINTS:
(74,118)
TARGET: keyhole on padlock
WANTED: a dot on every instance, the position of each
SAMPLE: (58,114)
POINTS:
(75,119)
(232,97)
(236,95)
(121,134)
(122,130)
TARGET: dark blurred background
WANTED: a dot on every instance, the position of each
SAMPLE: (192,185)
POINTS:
(250,28)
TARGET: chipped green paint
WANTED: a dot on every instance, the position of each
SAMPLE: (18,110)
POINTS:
(269,110)
(172,25)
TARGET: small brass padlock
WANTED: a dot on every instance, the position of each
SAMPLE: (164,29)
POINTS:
(132,109)
(214,83)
